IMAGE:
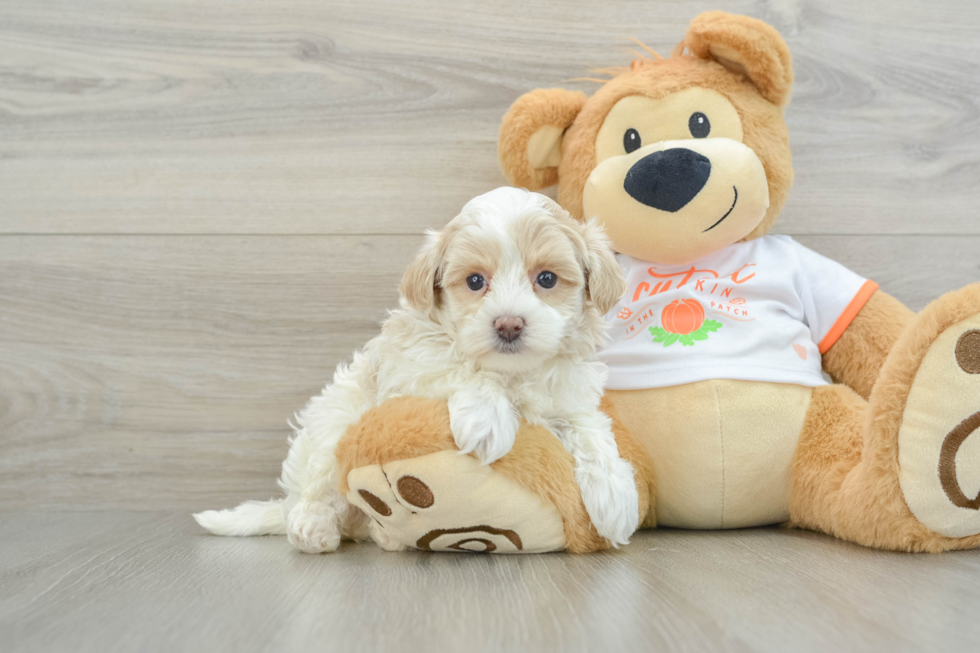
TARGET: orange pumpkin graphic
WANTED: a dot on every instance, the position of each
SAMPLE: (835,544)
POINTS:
(682,316)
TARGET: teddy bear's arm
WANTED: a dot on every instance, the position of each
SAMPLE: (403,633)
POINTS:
(856,358)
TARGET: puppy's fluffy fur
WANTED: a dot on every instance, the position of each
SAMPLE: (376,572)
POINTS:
(444,342)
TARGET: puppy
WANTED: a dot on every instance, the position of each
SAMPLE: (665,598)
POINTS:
(501,314)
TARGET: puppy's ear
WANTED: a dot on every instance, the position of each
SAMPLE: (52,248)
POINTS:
(605,282)
(531,133)
(746,46)
(420,281)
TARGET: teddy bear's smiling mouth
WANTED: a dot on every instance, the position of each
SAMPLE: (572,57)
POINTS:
(722,219)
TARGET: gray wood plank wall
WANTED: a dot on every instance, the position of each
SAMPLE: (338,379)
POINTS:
(205,206)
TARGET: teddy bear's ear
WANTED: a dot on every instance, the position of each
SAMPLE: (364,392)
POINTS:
(531,133)
(747,46)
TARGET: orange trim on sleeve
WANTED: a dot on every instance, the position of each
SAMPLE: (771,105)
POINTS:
(845,319)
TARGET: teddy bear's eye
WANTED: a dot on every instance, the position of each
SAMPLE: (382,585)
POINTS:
(699,125)
(631,140)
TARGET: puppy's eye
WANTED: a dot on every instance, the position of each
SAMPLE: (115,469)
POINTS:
(475,282)
(631,140)
(699,125)
(547,279)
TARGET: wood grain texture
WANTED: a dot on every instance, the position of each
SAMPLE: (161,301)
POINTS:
(134,368)
(340,117)
(159,371)
(152,582)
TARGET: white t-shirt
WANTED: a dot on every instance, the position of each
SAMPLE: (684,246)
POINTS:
(762,310)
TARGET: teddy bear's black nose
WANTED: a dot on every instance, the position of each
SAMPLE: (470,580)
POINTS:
(669,179)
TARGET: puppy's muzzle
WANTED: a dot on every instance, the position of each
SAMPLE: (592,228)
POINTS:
(668,180)
(509,328)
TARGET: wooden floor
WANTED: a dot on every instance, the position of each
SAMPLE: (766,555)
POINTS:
(127,581)
(204,206)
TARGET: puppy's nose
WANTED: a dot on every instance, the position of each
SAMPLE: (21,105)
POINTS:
(669,179)
(509,327)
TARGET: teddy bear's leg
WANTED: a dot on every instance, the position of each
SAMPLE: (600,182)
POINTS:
(401,467)
(901,471)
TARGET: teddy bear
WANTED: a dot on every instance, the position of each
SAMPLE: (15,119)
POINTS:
(751,381)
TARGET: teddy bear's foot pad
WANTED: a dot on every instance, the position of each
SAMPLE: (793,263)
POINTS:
(450,502)
(939,439)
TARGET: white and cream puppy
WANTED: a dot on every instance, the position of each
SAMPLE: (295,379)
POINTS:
(501,314)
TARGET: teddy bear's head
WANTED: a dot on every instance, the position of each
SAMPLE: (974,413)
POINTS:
(676,157)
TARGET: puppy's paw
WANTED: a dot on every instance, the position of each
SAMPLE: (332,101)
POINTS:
(483,423)
(383,539)
(610,497)
(313,528)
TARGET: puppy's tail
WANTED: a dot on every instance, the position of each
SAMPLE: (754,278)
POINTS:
(250,518)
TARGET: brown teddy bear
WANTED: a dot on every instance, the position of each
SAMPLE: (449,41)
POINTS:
(722,348)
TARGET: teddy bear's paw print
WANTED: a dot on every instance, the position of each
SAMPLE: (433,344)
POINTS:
(449,502)
(479,539)
(939,440)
